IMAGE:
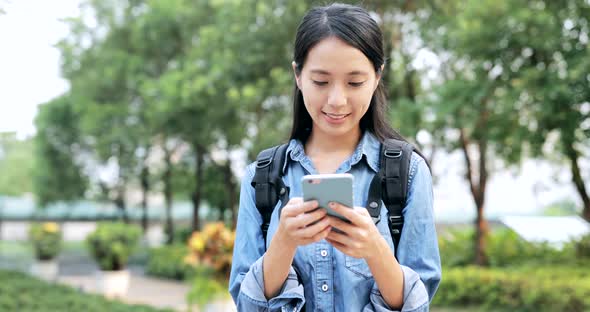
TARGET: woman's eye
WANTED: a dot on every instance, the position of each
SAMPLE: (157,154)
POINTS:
(356,84)
(320,83)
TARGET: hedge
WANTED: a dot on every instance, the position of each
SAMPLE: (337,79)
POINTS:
(20,292)
(168,262)
(550,288)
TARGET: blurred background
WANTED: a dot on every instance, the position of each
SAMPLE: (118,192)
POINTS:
(125,128)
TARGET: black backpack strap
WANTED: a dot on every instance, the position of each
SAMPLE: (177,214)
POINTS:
(390,184)
(268,183)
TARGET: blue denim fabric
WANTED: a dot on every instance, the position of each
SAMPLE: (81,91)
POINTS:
(330,280)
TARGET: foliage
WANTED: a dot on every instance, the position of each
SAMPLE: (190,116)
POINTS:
(182,234)
(46,239)
(206,287)
(561,208)
(213,248)
(582,247)
(20,292)
(16,165)
(552,288)
(57,174)
(169,262)
(111,244)
(456,247)
(504,249)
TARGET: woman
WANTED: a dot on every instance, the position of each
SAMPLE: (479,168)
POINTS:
(338,126)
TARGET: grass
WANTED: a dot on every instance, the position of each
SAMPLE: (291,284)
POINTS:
(20,292)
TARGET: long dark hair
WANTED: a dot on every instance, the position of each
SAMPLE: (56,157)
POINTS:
(354,26)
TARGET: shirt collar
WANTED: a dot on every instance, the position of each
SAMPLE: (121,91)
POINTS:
(369,147)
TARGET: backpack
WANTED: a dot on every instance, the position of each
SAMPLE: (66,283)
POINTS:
(390,184)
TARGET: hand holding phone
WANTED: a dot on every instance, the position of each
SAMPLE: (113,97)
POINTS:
(326,188)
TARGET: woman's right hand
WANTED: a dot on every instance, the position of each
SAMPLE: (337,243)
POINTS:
(301,223)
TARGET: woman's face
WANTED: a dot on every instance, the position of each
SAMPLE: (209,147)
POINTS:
(337,82)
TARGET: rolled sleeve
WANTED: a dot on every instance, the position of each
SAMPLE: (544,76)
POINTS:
(415,295)
(246,279)
(290,297)
(418,252)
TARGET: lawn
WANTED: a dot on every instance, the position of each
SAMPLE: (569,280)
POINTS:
(20,292)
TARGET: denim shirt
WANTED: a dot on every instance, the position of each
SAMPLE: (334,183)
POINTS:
(321,277)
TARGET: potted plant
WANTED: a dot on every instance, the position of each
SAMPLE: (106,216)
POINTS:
(110,245)
(46,239)
(210,252)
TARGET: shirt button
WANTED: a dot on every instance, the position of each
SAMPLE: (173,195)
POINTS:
(324,252)
(325,287)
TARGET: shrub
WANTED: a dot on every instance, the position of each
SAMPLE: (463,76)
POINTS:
(111,244)
(212,247)
(19,292)
(182,234)
(169,262)
(46,239)
(582,247)
(457,247)
(206,286)
(503,248)
(527,289)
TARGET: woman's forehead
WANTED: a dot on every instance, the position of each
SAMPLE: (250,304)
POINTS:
(333,56)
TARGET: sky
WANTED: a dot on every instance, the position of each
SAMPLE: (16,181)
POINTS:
(30,75)
(29,62)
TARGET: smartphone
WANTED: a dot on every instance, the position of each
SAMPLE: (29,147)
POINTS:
(326,188)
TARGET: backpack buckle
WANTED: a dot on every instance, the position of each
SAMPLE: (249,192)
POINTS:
(395,224)
(263,162)
(392,153)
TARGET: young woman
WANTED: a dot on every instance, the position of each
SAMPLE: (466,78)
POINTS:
(338,125)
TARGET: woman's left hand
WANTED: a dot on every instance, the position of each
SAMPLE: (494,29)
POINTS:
(360,237)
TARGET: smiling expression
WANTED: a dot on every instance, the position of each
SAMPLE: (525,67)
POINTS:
(337,82)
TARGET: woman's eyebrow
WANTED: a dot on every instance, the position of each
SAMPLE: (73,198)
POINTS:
(352,73)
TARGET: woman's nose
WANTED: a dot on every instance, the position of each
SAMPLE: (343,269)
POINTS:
(337,96)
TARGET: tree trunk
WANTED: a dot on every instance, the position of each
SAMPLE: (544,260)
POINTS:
(196,196)
(122,205)
(573,156)
(145,187)
(168,196)
(478,192)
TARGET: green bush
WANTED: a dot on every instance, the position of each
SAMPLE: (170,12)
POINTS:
(182,234)
(206,286)
(506,248)
(582,247)
(19,292)
(169,262)
(456,247)
(111,244)
(503,248)
(46,239)
(527,289)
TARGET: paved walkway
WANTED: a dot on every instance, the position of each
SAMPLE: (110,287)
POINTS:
(142,290)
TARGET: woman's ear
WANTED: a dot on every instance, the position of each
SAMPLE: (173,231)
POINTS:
(297,75)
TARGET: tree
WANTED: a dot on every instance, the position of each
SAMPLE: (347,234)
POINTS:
(58,173)
(510,67)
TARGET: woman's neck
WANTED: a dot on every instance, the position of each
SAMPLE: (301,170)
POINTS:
(319,142)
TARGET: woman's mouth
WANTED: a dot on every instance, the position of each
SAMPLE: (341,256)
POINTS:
(335,118)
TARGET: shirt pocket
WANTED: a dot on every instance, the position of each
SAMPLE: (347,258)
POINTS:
(358,266)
